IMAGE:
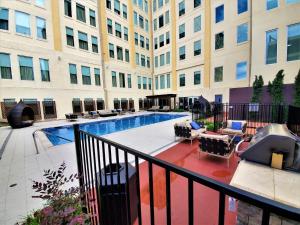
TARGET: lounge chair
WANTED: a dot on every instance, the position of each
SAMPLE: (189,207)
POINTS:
(166,108)
(216,145)
(106,113)
(93,114)
(71,117)
(153,109)
(131,110)
(184,130)
(234,127)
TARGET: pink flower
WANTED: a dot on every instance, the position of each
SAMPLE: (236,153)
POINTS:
(77,220)
(47,211)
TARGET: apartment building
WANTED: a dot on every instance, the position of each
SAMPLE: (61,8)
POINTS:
(64,56)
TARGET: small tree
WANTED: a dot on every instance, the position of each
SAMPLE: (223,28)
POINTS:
(297,90)
(258,85)
(275,88)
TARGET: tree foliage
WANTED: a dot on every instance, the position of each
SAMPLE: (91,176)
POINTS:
(275,88)
(297,90)
(258,85)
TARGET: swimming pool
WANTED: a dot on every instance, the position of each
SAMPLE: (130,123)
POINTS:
(54,134)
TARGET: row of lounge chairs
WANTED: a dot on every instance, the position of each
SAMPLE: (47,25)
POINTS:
(159,109)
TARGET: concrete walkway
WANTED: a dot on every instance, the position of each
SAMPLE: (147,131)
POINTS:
(20,163)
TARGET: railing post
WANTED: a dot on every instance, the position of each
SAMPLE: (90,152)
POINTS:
(78,156)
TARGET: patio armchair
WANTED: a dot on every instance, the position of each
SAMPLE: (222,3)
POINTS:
(185,131)
(71,117)
(234,127)
(106,113)
(93,114)
(165,108)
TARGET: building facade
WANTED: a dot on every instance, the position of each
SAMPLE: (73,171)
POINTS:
(64,56)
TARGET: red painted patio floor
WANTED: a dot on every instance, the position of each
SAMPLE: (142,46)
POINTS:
(205,199)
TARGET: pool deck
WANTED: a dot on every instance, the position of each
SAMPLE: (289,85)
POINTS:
(20,163)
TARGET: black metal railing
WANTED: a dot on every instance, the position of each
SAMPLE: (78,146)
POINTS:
(96,153)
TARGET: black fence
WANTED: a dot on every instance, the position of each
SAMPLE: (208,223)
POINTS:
(110,180)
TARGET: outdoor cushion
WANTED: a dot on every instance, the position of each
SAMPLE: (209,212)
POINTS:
(232,131)
(236,125)
(215,136)
(195,125)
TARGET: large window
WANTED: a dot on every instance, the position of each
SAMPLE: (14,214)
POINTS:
(197,48)
(181,8)
(83,40)
(146,25)
(136,38)
(23,23)
(125,29)
(197,77)
(124,11)
(242,33)
(141,22)
(168,80)
(148,62)
(242,6)
(26,68)
(156,83)
(197,23)
(292,1)
(40,3)
(70,36)
(181,31)
(129,82)
(167,17)
(45,73)
(73,73)
(118,30)
(139,82)
(92,18)
(109,26)
(161,21)
(145,83)
(167,37)
(127,59)
(119,53)
(241,70)
(135,18)
(293,43)
(182,53)
(143,61)
(137,58)
(5,66)
(271,4)
(182,80)
(111,50)
(142,41)
(4,19)
(160,3)
(41,28)
(97,77)
(156,61)
(150,83)
(271,46)
(68,8)
(162,60)
(218,76)
(162,81)
(95,44)
(114,78)
(80,12)
(86,75)
(147,44)
(161,40)
(219,40)
(219,13)
(122,80)
(197,3)
(117,7)
(168,58)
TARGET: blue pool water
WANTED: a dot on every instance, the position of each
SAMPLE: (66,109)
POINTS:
(106,126)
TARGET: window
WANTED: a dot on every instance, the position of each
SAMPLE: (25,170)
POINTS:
(197,3)
(129,82)
(145,83)
(218,74)
(197,24)
(108,4)
(127,55)
(150,83)
(139,82)
(118,30)
(167,37)
(141,4)
(136,38)
(4,19)
(154,5)
(23,23)
(219,13)
(114,78)
(95,44)
(109,26)
(167,17)
(111,50)
(271,46)
(168,57)
(197,48)
(156,83)
(293,43)
(137,58)
(162,60)
(141,22)
(197,77)
(135,18)
(80,12)
(135,2)
(26,68)
(117,7)
(86,75)
(271,4)
(147,44)
(68,8)
(92,18)
(155,24)
(219,40)
(122,80)
(146,25)
(83,40)
(242,6)
(162,81)
(70,36)
(119,53)
(40,3)
(5,66)
(182,53)
(44,66)
(241,70)
(242,33)
(181,8)
(97,77)
(143,61)
(292,1)
(181,31)
(124,11)
(125,33)
(146,6)
(161,40)
(161,21)
(142,41)
(148,62)
(41,28)
(168,81)
(156,61)
(155,43)
(182,80)
(73,73)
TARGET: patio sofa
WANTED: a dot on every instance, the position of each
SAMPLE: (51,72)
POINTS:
(234,127)
(71,117)
(185,130)
(153,108)
(165,109)
(106,113)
